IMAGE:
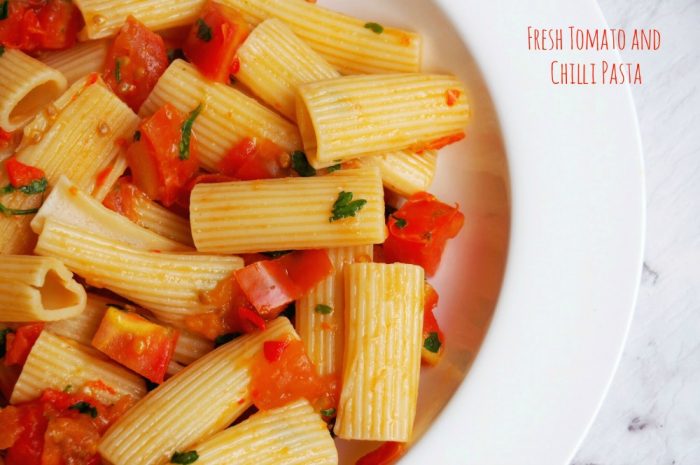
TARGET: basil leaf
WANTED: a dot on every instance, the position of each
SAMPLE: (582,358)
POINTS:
(187,133)
(345,207)
(323,309)
(432,342)
(35,187)
(184,458)
(84,407)
(375,27)
(329,412)
(399,222)
(16,212)
(203,31)
(301,165)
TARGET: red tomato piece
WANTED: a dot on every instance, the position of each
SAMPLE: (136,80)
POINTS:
(157,166)
(27,448)
(439,143)
(384,455)
(40,25)
(19,344)
(255,158)
(135,62)
(273,349)
(10,421)
(451,96)
(136,343)
(70,440)
(419,230)
(21,174)
(214,39)
(122,198)
(433,338)
(184,199)
(5,138)
(271,284)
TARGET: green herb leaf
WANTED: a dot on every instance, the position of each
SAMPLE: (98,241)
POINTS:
(7,189)
(187,133)
(328,412)
(16,212)
(399,222)
(276,253)
(4,9)
(174,54)
(301,165)
(224,338)
(432,342)
(3,336)
(203,31)
(2,50)
(118,70)
(345,207)
(323,309)
(68,388)
(137,136)
(375,27)
(35,187)
(184,458)
(84,407)
(332,168)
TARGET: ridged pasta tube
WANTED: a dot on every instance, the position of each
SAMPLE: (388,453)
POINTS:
(78,61)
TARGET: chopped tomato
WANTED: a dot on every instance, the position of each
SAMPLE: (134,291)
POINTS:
(70,441)
(273,349)
(27,448)
(5,139)
(214,39)
(184,199)
(40,25)
(419,230)
(122,198)
(9,419)
(136,343)
(451,96)
(439,143)
(385,454)
(158,165)
(20,343)
(21,174)
(291,376)
(135,62)
(255,158)
(271,284)
(433,339)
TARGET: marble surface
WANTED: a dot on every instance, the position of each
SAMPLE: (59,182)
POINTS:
(651,415)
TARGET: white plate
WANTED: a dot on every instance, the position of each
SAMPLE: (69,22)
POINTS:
(575,204)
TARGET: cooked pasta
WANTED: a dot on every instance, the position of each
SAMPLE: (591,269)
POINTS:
(383,328)
(38,289)
(201,400)
(356,116)
(257,216)
(160,220)
(350,44)
(26,86)
(405,172)
(82,328)
(79,61)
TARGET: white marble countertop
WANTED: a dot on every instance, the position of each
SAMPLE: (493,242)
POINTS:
(651,415)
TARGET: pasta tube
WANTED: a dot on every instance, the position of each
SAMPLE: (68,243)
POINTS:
(166,283)
(405,172)
(350,44)
(201,400)
(289,435)
(78,61)
(154,217)
(287,213)
(38,289)
(383,328)
(26,86)
(357,116)
(82,328)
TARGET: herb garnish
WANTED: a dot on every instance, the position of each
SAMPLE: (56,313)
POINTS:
(3,335)
(184,458)
(323,309)
(375,27)
(35,187)
(332,168)
(329,412)
(203,31)
(68,388)
(276,253)
(174,54)
(301,165)
(84,407)
(399,222)
(224,338)
(345,207)
(16,212)
(432,342)
(118,70)
(4,9)
(187,133)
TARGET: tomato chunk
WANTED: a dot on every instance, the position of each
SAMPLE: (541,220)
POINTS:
(158,165)
(433,339)
(5,139)
(27,448)
(384,455)
(419,230)
(136,343)
(214,39)
(19,344)
(135,62)
(122,198)
(21,174)
(39,25)
(255,158)
(271,284)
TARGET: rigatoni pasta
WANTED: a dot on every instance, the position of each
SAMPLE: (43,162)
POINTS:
(405,172)
(82,328)
(287,213)
(38,289)
(160,220)
(79,61)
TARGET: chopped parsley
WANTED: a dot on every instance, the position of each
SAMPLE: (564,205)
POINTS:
(328,412)
(184,458)
(84,407)
(118,70)
(276,253)
(4,9)
(301,165)
(345,207)
(332,168)
(7,211)
(203,31)
(399,222)
(323,309)
(224,338)
(2,50)
(137,136)
(375,27)
(187,133)
(432,342)
(35,187)
(3,335)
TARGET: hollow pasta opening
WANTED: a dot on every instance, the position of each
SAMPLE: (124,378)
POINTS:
(35,99)
(55,295)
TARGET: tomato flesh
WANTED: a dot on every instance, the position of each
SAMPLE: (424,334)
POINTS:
(40,25)
(155,160)
(136,343)
(21,174)
(19,344)
(27,448)
(271,284)
(419,230)
(255,158)
(384,455)
(135,62)
(431,329)
(214,39)
(122,198)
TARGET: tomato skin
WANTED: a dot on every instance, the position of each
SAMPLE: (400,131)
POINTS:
(5,139)
(19,344)
(40,25)
(383,455)
(273,349)
(155,161)
(255,158)
(27,448)
(122,198)
(21,174)
(10,421)
(430,325)
(142,60)
(419,230)
(136,343)
(213,57)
